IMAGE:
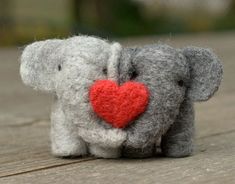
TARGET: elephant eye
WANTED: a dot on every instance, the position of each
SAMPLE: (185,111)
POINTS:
(104,71)
(181,83)
(133,74)
(59,67)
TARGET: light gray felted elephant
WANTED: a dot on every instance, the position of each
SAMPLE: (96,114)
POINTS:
(67,68)
(112,101)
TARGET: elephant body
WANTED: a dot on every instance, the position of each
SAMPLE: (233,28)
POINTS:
(175,78)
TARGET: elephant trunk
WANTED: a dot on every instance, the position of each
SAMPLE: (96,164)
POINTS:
(113,63)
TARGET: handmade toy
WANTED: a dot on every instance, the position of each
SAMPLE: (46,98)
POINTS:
(112,101)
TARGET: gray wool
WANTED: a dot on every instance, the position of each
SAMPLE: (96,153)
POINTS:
(67,68)
(175,79)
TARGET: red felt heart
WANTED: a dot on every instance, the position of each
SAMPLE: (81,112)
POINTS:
(118,105)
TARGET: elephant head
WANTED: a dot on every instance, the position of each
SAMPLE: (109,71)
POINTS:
(68,67)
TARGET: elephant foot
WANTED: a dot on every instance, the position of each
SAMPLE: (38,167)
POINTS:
(69,150)
(177,149)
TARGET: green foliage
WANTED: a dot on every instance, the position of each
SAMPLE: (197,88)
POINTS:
(226,22)
(121,18)
(106,18)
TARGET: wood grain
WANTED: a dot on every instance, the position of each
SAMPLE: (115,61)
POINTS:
(26,147)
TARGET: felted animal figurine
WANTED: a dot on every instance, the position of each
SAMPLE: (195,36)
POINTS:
(67,68)
(112,101)
(175,79)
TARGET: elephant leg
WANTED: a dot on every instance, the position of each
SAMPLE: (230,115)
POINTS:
(178,141)
(65,141)
(138,145)
(104,143)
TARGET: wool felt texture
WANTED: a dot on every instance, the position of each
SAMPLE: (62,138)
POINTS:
(118,105)
(67,68)
(174,78)
(170,114)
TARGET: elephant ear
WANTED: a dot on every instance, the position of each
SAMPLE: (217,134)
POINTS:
(205,72)
(39,64)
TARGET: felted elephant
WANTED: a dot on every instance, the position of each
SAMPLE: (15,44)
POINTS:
(112,101)
(67,68)
(175,78)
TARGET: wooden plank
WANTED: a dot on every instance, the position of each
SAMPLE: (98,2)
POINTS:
(215,116)
(214,162)
(25,147)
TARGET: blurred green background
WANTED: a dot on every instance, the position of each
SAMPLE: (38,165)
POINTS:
(23,21)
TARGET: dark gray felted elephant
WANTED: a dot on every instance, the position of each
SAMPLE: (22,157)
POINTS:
(175,78)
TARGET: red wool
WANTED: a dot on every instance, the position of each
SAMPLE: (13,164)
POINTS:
(118,105)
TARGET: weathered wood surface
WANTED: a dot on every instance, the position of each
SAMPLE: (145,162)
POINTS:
(24,127)
(210,164)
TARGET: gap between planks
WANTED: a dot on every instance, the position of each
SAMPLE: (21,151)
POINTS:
(48,167)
